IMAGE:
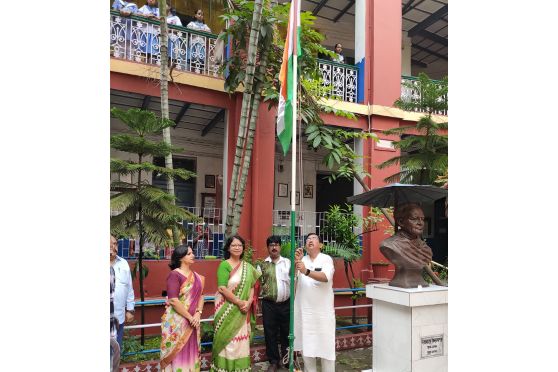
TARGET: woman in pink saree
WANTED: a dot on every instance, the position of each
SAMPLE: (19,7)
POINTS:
(180,324)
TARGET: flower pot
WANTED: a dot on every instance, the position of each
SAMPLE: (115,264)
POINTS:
(380,270)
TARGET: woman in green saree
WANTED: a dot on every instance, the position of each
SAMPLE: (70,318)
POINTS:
(235,304)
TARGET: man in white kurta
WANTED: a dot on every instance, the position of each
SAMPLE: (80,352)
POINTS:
(314,315)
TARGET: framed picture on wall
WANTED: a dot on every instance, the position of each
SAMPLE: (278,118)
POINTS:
(308,191)
(209,181)
(282,190)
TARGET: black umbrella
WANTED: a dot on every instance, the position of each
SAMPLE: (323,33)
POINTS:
(398,193)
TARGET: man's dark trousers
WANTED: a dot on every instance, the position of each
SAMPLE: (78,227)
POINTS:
(276,329)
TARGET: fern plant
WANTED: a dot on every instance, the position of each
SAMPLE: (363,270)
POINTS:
(424,147)
(339,225)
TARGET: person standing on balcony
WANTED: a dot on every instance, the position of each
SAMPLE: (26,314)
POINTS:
(339,50)
(314,316)
(124,291)
(275,291)
(198,24)
(172,18)
(197,50)
(148,41)
(126,9)
(149,10)
(235,309)
(180,324)
(174,49)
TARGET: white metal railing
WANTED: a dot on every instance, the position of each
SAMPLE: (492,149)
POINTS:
(213,231)
(207,233)
(137,39)
(408,93)
(306,222)
(339,80)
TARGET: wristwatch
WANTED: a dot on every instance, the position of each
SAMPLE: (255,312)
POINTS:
(199,311)
(307,272)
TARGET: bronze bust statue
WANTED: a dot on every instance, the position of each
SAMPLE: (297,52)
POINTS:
(406,250)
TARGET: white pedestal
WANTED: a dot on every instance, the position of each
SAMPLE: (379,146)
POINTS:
(409,328)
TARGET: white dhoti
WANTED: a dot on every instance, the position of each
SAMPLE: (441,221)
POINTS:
(314,316)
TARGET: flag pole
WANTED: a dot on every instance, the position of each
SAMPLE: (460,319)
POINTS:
(296,12)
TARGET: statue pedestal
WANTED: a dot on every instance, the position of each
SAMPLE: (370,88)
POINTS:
(410,328)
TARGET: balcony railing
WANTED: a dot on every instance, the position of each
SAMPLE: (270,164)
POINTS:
(414,93)
(137,39)
(339,81)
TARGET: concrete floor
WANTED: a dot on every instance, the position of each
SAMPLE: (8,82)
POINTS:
(346,360)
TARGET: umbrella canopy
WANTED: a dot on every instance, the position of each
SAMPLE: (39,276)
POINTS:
(398,193)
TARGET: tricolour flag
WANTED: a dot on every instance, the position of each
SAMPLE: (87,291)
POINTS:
(285,119)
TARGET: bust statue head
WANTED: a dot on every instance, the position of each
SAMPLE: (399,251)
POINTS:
(410,218)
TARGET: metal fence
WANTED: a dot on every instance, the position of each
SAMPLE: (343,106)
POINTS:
(136,39)
(339,80)
(209,233)
(408,93)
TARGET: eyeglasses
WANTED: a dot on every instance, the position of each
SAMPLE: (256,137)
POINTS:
(274,245)
(236,245)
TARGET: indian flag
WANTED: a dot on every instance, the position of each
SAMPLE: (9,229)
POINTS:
(287,96)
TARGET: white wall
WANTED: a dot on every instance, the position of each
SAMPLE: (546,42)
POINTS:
(308,177)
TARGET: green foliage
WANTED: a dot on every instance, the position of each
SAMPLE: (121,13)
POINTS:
(143,210)
(375,216)
(132,344)
(286,249)
(338,250)
(340,224)
(271,39)
(248,253)
(424,155)
(440,272)
(359,294)
(207,332)
(340,152)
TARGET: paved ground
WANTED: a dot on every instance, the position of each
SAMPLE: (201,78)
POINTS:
(347,360)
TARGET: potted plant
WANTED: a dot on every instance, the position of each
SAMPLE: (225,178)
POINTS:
(380,269)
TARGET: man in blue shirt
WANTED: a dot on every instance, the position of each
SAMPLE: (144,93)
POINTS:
(123,291)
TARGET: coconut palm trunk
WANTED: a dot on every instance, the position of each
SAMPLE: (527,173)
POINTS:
(164,37)
(251,133)
(233,216)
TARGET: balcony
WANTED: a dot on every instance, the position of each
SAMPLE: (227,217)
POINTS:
(339,80)
(136,39)
(407,93)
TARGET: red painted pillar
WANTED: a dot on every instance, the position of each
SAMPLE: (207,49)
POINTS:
(385,46)
(263,175)
(256,218)
(383,87)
